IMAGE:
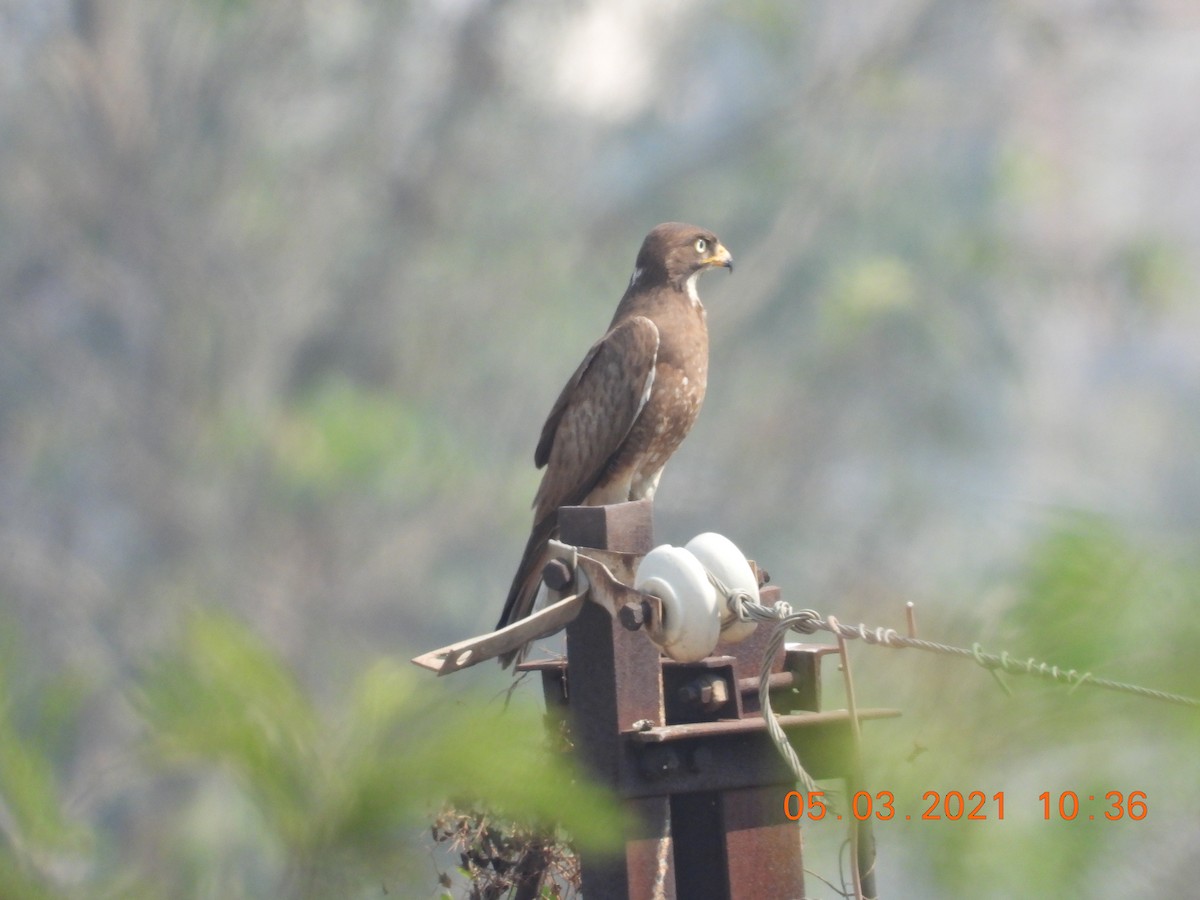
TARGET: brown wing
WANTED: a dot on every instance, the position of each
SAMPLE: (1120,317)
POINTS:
(590,420)
(594,413)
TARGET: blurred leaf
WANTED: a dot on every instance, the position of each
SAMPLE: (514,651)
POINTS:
(1024,174)
(1076,594)
(867,291)
(223,698)
(340,795)
(55,717)
(1158,272)
(16,882)
(340,436)
(28,786)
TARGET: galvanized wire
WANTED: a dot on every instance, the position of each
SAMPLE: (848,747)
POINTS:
(807,621)
(781,614)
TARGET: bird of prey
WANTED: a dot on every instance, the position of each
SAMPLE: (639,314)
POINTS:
(630,403)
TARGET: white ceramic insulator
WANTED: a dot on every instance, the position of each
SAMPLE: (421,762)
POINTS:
(725,561)
(691,622)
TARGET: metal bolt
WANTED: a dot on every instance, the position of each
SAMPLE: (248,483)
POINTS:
(557,574)
(719,692)
(634,615)
(709,692)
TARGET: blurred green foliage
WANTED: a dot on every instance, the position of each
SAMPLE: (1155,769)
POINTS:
(1077,595)
(869,292)
(1093,597)
(302,805)
(1086,597)
(339,438)
(1158,272)
(343,797)
(35,829)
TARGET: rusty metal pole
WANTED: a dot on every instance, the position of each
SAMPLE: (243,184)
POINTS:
(683,745)
(614,681)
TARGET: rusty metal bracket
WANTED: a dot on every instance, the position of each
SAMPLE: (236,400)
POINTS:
(464,654)
(585,571)
(683,746)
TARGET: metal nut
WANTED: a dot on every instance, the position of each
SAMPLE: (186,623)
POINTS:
(634,615)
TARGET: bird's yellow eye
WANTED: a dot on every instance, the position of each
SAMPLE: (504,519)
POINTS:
(701,245)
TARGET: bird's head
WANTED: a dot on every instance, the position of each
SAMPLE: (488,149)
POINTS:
(678,253)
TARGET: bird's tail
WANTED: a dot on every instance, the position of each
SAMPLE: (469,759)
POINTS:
(526,582)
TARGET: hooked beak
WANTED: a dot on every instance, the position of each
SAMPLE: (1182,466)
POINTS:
(720,257)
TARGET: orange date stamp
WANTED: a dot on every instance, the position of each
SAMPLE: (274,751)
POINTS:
(970,806)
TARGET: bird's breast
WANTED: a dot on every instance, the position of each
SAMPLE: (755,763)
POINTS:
(667,417)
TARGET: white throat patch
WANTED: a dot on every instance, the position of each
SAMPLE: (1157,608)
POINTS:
(691,287)
(633,279)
